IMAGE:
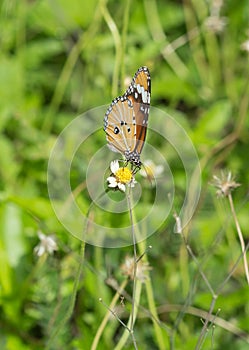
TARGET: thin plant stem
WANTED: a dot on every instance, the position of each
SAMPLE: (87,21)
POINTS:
(183,270)
(213,54)
(210,44)
(115,315)
(129,331)
(243,108)
(205,326)
(209,318)
(152,311)
(136,293)
(67,70)
(129,201)
(242,243)
(222,285)
(155,319)
(117,42)
(198,265)
(197,52)
(159,36)
(214,298)
(229,59)
(124,38)
(180,41)
(150,297)
(107,316)
(201,314)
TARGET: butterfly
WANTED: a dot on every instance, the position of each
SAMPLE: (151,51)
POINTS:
(126,119)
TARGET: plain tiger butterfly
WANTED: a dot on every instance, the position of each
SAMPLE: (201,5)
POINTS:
(126,119)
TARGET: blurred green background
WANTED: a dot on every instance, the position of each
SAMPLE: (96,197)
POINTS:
(59,59)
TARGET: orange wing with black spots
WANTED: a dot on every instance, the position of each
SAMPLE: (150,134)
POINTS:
(126,119)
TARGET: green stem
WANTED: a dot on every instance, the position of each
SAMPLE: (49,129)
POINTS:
(107,316)
(242,243)
(135,301)
(117,42)
(124,36)
(67,70)
(195,45)
(158,35)
(127,333)
(153,310)
(151,302)
(142,246)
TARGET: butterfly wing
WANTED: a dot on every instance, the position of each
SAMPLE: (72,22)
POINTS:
(126,119)
(119,125)
(139,93)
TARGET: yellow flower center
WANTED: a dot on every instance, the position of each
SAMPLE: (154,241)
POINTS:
(123,175)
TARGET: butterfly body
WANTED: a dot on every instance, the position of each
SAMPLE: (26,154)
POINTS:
(126,119)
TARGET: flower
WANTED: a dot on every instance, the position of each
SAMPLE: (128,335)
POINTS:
(215,23)
(120,177)
(151,170)
(245,46)
(141,271)
(225,184)
(47,245)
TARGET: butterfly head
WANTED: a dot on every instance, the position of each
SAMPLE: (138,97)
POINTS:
(133,157)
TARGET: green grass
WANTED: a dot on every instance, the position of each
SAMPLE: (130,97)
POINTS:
(62,59)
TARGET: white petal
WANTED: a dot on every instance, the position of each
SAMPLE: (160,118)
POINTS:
(39,250)
(114,166)
(113,185)
(121,187)
(112,181)
(51,244)
(41,235)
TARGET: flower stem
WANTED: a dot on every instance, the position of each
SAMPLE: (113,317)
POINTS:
(107,316)
(129,200)
(129,331)
(242,243)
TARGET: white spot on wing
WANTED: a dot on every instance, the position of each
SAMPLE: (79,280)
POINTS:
(144,96)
